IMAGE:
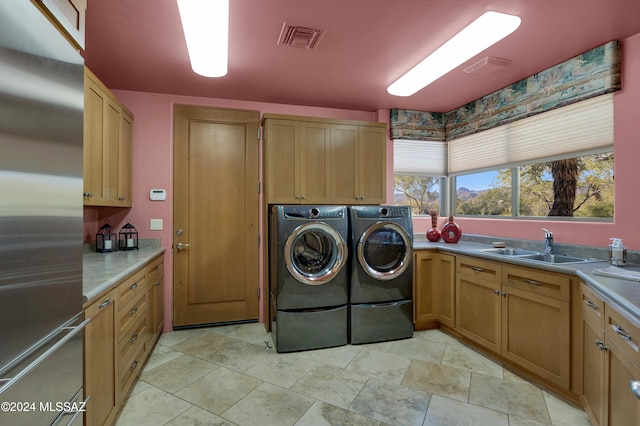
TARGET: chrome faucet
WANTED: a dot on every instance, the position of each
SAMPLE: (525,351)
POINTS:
(548,241)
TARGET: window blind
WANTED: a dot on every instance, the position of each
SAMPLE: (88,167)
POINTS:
(419,158)
(578,129)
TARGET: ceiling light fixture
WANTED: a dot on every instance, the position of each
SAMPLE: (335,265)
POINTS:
(206,29)
(482,33)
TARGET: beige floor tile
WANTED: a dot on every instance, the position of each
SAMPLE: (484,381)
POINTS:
(323,414)
(565,414)
(177,373)
(152,406)
(522,399)
(219,390)
(252,333)
(519,421)
(436,335)
(378,364)
(391,403)
(160,355)
(512,377)
(139,387)
(196,416)
(203,344)
(269,405)
(331,384)
(239,355)
(464,358)
(339,356)
(439,380)
(177,336)
(283,370)
(421,349)
(445,411)
(380,346)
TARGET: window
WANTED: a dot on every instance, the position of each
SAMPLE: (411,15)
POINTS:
(421,193)
(573,187)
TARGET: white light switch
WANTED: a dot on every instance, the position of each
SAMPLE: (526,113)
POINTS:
(156,224)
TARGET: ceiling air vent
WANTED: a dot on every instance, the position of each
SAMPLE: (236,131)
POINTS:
(299,36)
(487,65)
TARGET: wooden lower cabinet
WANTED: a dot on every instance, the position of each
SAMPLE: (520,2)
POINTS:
(521,314)
(100,360)
(125,324)
(434,289)
(622,407)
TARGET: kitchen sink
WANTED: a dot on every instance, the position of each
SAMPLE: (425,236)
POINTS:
(555,258)
(509,251)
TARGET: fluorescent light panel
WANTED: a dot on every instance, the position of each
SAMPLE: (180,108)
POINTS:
(206,29)
(482,33)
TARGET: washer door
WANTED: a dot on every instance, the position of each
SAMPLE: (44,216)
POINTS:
(314,253)
(385,250)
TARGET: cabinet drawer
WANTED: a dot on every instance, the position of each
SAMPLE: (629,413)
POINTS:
(478,268)
(130,370)
(155,272)
(127,318)
(130,289)
(130,341)
(622,332)
(544,283)
(592,306)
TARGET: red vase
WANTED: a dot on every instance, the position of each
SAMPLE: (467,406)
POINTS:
(433,234)
(451,231)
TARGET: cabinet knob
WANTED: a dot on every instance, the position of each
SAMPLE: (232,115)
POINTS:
(635,387)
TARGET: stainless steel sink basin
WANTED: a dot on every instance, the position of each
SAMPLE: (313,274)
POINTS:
(509,251)
(555,258)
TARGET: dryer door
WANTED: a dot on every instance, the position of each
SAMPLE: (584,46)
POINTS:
(385,250)
(314,253)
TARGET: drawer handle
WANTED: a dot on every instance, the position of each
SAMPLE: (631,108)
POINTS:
(622,333)
(157,283)
(532,282)
(477,269)
(590,304)
(104,304)
(133,338)
(133,286)
(133,366)
(133,311)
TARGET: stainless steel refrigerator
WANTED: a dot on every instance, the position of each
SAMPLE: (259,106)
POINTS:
(41,319)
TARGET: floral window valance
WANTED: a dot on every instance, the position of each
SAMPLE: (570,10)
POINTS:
(590,74)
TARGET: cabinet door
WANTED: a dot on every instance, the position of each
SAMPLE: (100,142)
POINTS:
(535,333)
(372,165)
(424,302)
(478,304)
(622,407)
(445,289)
(593,358)
(315,152)
(344,152)
(125,166)
(95,102)
(110,152)
(156,301)
(99,361)
(281,154)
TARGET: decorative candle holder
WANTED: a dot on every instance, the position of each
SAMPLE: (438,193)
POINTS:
(106,239)
(128,237)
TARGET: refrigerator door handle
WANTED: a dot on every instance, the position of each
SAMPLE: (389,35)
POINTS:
(13,380)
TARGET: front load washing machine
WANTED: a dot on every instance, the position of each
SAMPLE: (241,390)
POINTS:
(309,277)
(381,296)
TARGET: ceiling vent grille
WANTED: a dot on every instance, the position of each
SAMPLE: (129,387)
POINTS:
(487,65)
(299,36)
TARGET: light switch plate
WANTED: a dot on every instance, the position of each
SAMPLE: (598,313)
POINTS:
(156,224)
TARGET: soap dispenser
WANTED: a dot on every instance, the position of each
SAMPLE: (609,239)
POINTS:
(617,252)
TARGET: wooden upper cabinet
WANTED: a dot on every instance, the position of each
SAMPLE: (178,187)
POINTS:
(68,16)
(108,144)
(321,161)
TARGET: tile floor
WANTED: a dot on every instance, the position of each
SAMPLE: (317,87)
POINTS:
(226,376)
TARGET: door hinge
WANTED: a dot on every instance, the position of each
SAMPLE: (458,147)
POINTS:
(259,132)
(258,240)
(259,187)
(258,292)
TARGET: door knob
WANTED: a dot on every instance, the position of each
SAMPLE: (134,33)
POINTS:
(635,388)
(181,246)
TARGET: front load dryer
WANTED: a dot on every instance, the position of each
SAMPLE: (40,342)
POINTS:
(381,296)
(309,277)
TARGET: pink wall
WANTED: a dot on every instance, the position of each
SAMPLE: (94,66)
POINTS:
(153,159)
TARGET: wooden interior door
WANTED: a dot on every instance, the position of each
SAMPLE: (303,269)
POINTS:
(215,216)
